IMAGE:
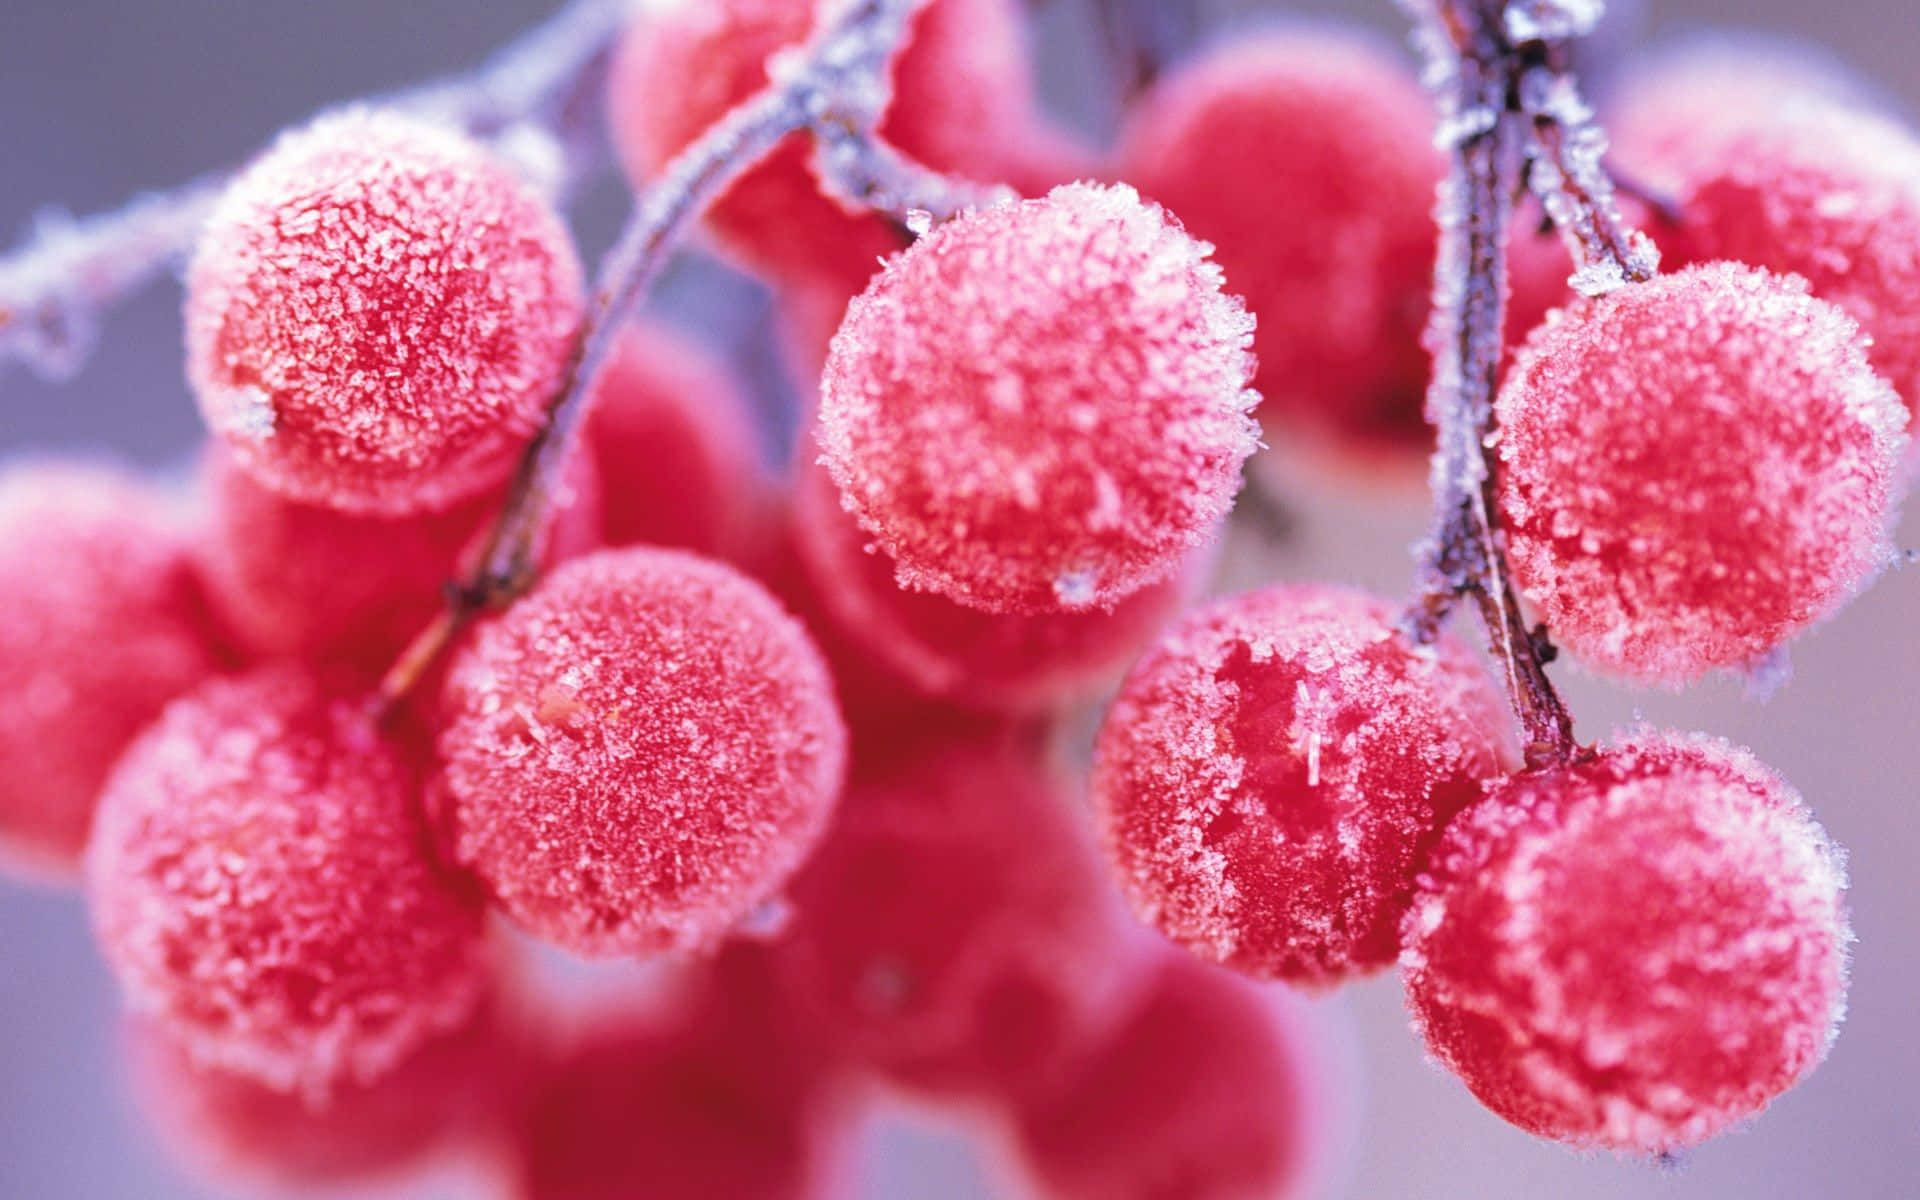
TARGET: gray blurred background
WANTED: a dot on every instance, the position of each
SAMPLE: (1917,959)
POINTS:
(101,99)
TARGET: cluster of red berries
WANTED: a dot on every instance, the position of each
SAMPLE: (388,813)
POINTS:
(806,737)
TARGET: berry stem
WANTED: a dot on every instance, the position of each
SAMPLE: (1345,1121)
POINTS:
(1481,68)
(56,284)
(863,169)
(841,71)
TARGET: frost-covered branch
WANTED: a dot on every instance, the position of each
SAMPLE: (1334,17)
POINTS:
(842,70)
(1565,171)
(863,170)
(538,100)
(1511,115)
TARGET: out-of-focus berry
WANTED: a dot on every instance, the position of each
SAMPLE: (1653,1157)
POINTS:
(1634,952)
(1275,768)
(379,314)
(706,1095)
(638,752)
(1695,468)
(104,624)
(231,1128)
(1042,405)
(955,931)
(1306,157)
(261,886)
(678,454)
(1208,1091)
(963,103)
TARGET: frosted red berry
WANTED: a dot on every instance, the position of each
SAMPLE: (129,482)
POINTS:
(671,432)
(638,752)
(1209,1090)
(1694,469)
(1635,952)
(962,103)
(1306,157)
(1274,769)
(955,931)
(378,315)
(1816,188)
(997,662)
(104,624)
(261,886)
(1041,405)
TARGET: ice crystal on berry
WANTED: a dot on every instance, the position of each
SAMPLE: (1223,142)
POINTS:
(378,313)
(1695,468)
(1042,405)
(638,753)
(1633,952)
(1273,770)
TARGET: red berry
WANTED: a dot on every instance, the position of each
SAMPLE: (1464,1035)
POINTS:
(1634,952)
(1004,662)
(1693,469)
(955,932)
(1815,188)
(262,887)
(670,429)
(1306,157)
(104,625)
(1041,405)
(707,1095)
(1274,769)
(1207,1092)
(231,1128)
(379,314)
(963,103)
(638,752)
(308,581)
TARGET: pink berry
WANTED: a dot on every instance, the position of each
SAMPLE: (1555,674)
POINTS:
(1693,469)
(1275,768)
(230,1128)
(261,886)
(638,752)
(1306,157)
(1208,1091)
(308,581)
(706,1095)
(671,431)
(1677,104)
(379,314)
(1004,662)
(963,103)
(1634,952)
(104,624)
(1815,188)
(955,932)
(1041,405)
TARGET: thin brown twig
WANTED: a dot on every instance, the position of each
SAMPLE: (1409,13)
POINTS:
(1490,85)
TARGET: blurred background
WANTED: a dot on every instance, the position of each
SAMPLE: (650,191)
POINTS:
(104,98)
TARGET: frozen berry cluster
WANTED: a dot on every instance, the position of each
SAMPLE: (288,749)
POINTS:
(800,731)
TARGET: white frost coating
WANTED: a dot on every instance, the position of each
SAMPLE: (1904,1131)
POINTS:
(1552,20)
(248,412)
(1455,129)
